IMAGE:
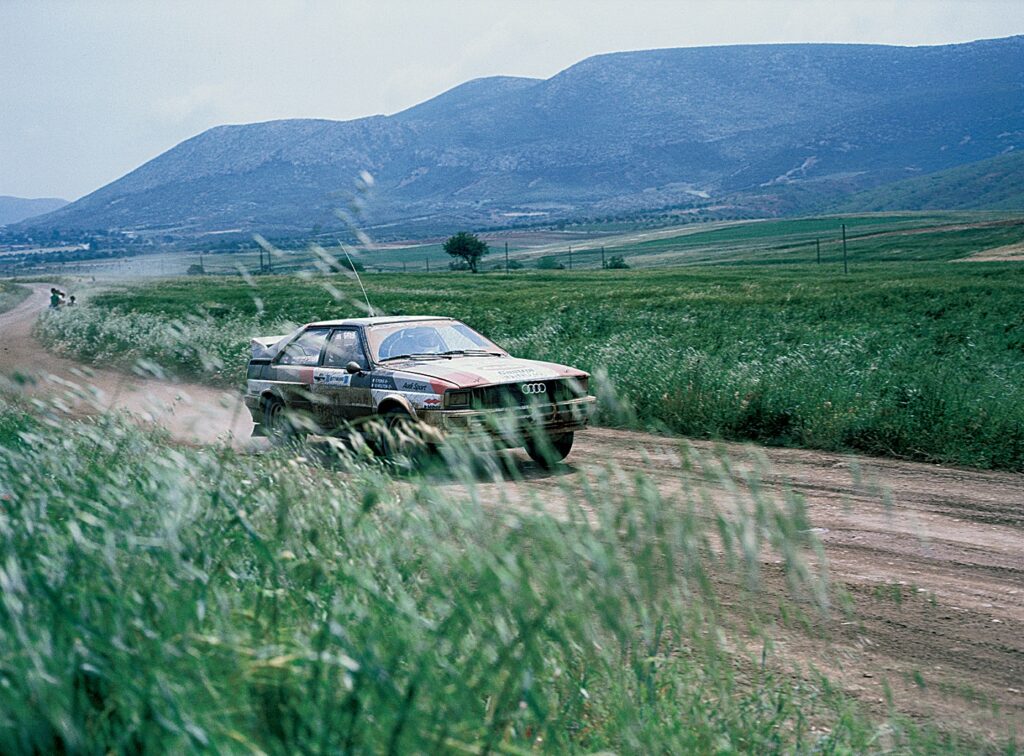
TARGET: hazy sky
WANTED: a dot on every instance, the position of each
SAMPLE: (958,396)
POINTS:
(90,90)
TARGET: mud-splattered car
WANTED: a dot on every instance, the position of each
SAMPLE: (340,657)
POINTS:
(436,374)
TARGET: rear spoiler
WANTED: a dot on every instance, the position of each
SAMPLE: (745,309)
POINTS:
(265,347)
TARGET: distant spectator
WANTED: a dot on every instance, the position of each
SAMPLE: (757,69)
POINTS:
(54,299)
(71,300)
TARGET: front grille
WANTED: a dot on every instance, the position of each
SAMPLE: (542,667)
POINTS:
(515,394)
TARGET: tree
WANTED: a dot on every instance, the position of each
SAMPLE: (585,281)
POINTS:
(550,262)
(467,247)
(617,262)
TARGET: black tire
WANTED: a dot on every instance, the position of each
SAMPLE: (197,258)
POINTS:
(276,424)
(396,422)
(550,451)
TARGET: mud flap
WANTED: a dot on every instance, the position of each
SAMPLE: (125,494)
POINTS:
(258,431)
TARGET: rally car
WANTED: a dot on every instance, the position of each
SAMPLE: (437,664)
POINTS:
(432,373)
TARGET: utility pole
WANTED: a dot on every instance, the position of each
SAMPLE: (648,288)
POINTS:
(817,249)
(403,266)
(846,268)
(570,258)
(202,268)
(603,263)
(506,258)
(427,259)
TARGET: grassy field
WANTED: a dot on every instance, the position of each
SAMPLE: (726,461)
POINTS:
(160,597)
(915,360)
(173,599)
(11,295)
(882,237)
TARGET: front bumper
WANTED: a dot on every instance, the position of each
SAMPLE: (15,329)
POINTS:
(512,423)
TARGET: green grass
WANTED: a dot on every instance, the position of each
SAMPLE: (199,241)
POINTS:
(996,183)
(883,238)
(11,295)
(181,600)
(918,361)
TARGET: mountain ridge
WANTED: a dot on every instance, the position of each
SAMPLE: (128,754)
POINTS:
(738,125)
(16,209)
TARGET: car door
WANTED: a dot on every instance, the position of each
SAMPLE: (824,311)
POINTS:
(292,369)
(342,396)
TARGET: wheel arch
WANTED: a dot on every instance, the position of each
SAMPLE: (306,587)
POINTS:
(268,394)
(395,401)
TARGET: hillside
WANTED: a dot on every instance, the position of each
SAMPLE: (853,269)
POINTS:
(15,209)
(993,184)
(764,129)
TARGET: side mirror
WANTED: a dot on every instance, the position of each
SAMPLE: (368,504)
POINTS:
(354,367)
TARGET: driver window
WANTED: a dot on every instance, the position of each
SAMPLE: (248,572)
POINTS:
(343,348)
(305,350)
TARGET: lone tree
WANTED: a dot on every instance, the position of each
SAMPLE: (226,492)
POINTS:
(468,247)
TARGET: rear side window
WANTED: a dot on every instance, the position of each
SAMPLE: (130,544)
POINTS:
(343,348)
(305,350)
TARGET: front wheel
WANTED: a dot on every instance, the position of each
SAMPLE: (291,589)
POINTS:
(398,435)
(548,451)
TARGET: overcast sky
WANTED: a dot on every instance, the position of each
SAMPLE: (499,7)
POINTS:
(91,90)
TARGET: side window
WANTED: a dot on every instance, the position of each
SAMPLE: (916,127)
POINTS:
(343,348)
(305,350)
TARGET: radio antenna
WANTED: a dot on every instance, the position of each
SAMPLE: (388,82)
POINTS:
(352,265)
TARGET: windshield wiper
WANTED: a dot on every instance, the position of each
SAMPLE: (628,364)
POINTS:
(407,356)
(471,351)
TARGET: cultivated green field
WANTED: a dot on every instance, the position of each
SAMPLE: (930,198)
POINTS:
(915,360)
(882,237)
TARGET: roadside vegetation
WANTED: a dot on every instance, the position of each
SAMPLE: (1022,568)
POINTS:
(11,295)
(164,598)
(913,360)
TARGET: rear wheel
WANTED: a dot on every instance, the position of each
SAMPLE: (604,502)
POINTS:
(551,450)
(276,422)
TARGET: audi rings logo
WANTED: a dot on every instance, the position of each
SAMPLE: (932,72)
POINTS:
(534,388)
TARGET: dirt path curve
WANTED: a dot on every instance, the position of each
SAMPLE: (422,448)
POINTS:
(932,557)
(189,412)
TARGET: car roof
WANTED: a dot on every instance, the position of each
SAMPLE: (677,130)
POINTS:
(379,320)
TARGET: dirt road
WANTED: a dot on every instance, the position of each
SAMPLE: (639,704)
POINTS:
(191,413)
(933,557)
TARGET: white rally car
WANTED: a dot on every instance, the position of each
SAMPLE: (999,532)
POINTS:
(429,372)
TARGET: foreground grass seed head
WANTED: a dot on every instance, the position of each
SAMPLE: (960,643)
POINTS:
(159,597)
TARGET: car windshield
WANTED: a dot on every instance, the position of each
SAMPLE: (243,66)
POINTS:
(427,337)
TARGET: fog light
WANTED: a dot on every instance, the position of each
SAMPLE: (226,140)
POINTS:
(456,398)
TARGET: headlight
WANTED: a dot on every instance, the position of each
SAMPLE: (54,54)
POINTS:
(579,386)
(457,398)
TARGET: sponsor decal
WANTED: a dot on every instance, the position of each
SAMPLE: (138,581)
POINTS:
(375,381)
(433,402)
(417,386)
(527,372)
(331,378)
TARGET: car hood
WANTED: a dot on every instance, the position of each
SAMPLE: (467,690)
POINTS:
(483,371)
